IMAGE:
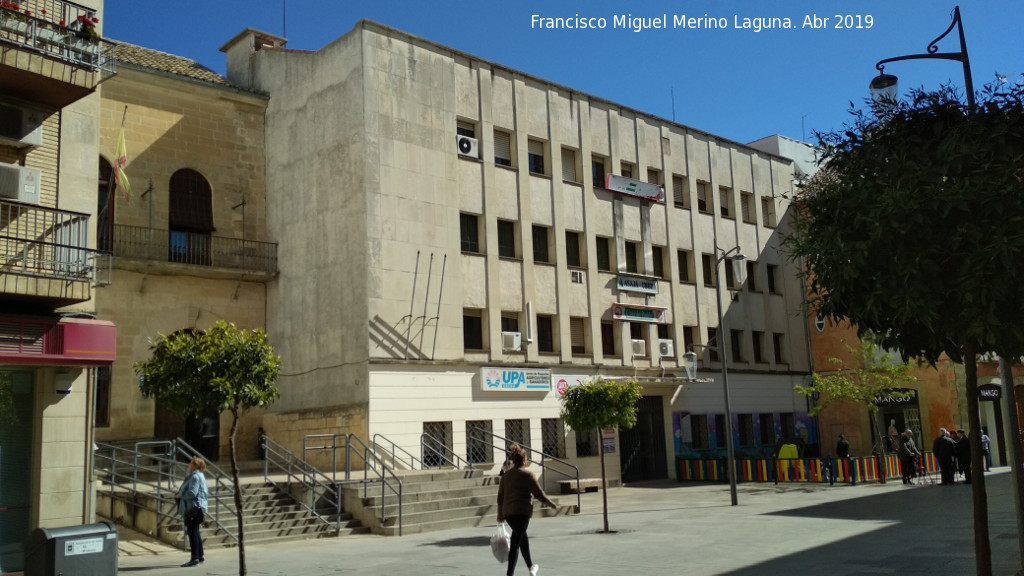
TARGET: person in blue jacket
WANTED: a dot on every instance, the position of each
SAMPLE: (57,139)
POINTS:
(192,496)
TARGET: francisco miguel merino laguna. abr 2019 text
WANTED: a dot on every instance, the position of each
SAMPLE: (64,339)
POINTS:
(705,22)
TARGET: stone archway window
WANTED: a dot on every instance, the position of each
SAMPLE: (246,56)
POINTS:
(190,218)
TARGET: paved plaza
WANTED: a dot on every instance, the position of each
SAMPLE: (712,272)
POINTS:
(672,528)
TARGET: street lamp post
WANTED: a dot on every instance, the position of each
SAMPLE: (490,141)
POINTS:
(883,86)
(690,358)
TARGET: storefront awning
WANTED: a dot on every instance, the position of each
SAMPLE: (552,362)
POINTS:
(57,342)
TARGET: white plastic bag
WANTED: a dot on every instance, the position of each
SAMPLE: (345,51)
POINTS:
(500,542)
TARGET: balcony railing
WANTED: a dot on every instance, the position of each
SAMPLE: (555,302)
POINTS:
(49,243)
(53,28)
(140,243)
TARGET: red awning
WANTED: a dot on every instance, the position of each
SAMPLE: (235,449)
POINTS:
(57,342)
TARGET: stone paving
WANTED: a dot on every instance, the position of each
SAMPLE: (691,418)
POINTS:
(672,528)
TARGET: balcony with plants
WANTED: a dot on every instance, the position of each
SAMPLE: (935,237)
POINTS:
(64,32)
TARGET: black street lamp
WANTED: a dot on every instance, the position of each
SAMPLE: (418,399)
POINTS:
(883,86)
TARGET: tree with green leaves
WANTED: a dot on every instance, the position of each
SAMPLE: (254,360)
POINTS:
(222,369)
(914,232)
(874,375)
(601,404)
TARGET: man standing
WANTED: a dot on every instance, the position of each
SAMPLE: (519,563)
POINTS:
(963,455)
(842,447)
(944,450)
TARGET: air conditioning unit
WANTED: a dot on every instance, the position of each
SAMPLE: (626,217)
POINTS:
(468,146)
(666,348)
(511,341)
(639,347)
(19,183)
(20,128)
(576,276)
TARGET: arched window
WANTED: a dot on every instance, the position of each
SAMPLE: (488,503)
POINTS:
(105,208)
(191,218)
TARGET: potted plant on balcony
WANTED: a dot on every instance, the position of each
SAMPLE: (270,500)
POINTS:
(13,19)
(83,37)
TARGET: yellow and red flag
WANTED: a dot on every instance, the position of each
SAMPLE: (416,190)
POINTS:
(120,163)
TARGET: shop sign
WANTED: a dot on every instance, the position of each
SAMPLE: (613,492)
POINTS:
(634,313)
(608,441)
(515,379)
(631,187)
(897,397)
(990,393)
(565,382)
(636,284)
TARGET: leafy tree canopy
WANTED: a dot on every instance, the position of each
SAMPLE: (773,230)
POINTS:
(223,368)
(914,230)
(601,404)
(875,374)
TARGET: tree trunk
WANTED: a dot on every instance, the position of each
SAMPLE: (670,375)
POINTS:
(238,492)
(982,547)
(604,488)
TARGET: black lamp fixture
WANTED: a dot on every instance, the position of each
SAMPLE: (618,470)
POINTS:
(883,87)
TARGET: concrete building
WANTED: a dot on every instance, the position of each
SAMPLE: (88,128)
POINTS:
(51,340)
(460,241)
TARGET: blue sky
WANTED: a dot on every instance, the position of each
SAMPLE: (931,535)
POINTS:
(733,82)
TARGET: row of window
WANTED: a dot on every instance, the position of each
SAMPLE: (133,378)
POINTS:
(699,430)
(480,440)
(543,253)
(548,340)
(536,153)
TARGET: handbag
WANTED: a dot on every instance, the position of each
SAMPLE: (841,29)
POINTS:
(500,542)
(194,515)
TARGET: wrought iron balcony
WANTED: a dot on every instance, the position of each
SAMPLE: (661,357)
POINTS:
(55,31)
(155,245)
(52,245)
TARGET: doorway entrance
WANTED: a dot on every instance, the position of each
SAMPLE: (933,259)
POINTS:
(643,446)
(15,470)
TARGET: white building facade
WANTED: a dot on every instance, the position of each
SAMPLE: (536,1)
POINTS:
(459,242)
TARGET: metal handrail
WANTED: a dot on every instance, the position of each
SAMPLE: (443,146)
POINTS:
(371,460)
(413,461)
(544,459)
(321,488)
(129,469)
(431,447)
(333,447)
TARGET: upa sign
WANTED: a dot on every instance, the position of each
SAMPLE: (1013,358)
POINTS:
(631,187)
(515,379)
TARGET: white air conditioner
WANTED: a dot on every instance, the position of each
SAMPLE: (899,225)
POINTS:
(666,348)
(576,276)
(639,347)
(19,183)
(20,128)
(468,146)
(511,341)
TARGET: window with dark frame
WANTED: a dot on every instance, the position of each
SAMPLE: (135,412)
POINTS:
(747,207)
(607,339)
(685,262)
(745,423)
(680,194)
(708,263)
(713,344)
(506,239)
(788,425)
(725,200)
(757,342)
(517,431)
(630,250)
(604,256)
(540,244)
(767,425)
(703,202)
(535,154)
(752,284)
(569,165)
(658,255)
(598,171)
(578,335)
(778,349)
(572,249)
(464,128)
(552,433)
(472,330)
(730,275)
(587,443)
(510,322)
(736,345)
(768,213)
(190,218)
(773,278)
(479,448)
(545,333)
(502,148)
(469,233)
(699,431)
(102,406)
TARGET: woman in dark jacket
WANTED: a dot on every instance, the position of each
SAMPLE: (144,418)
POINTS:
(515,505)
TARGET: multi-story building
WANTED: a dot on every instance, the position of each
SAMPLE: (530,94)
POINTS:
(52,342)
(189,246)
(459,242)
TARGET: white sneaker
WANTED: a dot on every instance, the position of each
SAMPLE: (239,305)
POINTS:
(534,569)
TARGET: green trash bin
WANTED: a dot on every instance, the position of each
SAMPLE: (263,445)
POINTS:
(86,550)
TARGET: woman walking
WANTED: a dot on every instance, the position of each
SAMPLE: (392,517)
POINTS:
(191,497)
(515,506)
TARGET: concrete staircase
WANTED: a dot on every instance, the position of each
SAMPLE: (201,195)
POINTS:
(434,500)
